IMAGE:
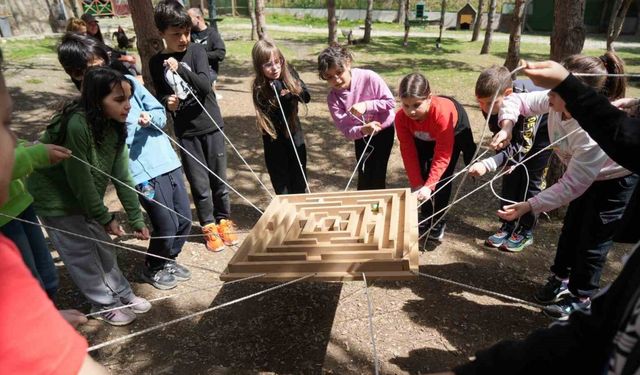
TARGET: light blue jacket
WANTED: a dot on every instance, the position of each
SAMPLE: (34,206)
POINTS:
(150,151)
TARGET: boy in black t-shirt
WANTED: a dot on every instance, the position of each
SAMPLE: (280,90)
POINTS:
(180,74)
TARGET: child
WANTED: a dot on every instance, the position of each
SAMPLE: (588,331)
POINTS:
(432,131)
(530,137)
(596,188)
(361,106)
(28,237)
(185,63)
(69,196)
(152,161)
(273,72)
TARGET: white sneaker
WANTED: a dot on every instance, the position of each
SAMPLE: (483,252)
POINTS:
(137,304)
(120,317)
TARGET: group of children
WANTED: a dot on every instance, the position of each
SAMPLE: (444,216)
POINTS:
(116,131)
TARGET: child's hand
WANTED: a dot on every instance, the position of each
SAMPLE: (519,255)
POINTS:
(629,105)
(114,228)
(547,74)
(172,63)
(284,92)
(359,109)
(57,153)
(371,128)
(172,102)
(477,169)
(514,211)
(145,119)
(502,138)
(73,317)
(141,234)
(128,59)
(423,194)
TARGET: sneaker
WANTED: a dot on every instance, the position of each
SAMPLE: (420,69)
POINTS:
(178,271)
(120,317)
(160,279)
(214,243)
(553,291)
(139,305)
(566,306)
(500,236)
(519,239)
(226,230)
(437,231)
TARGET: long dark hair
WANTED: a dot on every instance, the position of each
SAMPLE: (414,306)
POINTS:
(263,92)
(97,84)
(333,56)
(609,63)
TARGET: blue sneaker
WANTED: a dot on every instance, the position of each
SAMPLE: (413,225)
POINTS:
(566,306)
(552,291)
(499,237)
(519,239)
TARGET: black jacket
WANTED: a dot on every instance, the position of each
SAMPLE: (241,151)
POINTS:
(190,119)
(214,45)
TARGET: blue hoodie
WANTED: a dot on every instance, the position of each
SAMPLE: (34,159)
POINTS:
(150,151)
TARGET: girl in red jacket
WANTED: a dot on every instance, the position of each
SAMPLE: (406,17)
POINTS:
(432,131)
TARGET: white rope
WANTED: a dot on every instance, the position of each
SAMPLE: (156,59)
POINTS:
(605,74)
(500,175)
(192,315)
(293,143)
(194,290)
(371,330)
(364,151)
(105,242)
(205,167)
(223,134)
(131,188)
(192,235)
(480,290)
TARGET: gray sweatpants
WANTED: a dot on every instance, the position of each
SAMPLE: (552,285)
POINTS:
(92,265)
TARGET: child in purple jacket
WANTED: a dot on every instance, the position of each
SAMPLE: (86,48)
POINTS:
(361,106)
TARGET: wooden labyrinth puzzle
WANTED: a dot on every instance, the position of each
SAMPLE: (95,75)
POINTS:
(337,236)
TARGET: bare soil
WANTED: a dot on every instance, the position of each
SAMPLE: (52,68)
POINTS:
(420,325)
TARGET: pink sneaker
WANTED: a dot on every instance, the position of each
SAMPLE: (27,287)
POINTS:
(120,317)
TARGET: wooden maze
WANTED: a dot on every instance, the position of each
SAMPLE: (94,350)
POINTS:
(337,236)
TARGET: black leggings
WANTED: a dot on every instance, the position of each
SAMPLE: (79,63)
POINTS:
(372,171)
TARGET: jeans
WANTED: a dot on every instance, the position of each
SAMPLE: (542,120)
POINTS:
(29,239)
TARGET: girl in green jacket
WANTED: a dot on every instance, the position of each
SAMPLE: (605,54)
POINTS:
(69,196)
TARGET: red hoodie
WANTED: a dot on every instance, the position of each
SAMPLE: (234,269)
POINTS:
(438,127)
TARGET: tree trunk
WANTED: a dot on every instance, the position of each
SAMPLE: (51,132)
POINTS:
(260,21)
(252,8)
(618,14)
(402,10)
(567,37)
(332,22)
(478,24)
(489,33)
(443,8)
(513,53)
(367,22)
(148,39)
(405,42)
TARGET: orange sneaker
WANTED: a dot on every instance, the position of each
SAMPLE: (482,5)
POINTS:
(226,230)
(214,243)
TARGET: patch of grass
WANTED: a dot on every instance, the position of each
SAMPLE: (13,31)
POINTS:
(16,50)
(34,81)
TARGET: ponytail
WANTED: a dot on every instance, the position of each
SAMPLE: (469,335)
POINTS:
(609,63)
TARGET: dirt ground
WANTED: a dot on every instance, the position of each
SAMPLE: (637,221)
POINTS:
(421,325)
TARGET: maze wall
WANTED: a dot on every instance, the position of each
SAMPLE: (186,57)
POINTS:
(337,236)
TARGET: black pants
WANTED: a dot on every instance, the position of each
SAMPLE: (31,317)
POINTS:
(515,184)
(171,192)
(372,171)
(210,195)
(440,199)
(282,164)
(587,233)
